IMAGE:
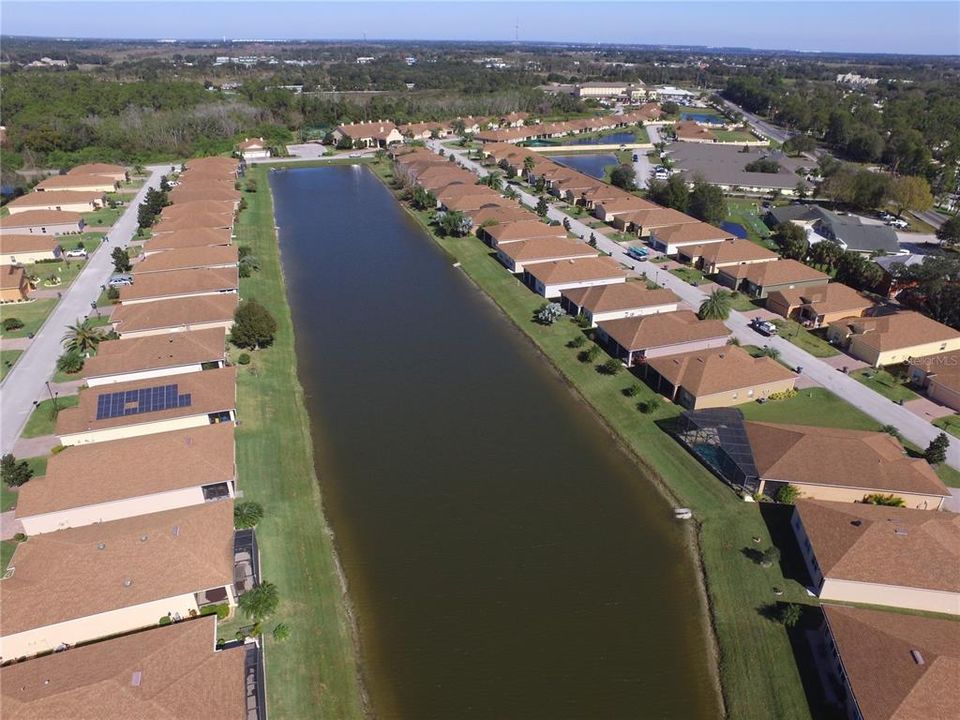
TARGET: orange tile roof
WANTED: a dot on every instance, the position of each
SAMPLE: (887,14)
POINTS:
(11,244)
(189,257)
(718,370)
(181,282)
(175,313)
(196,237)
(781,272)
(619,296)
(662,329)
(900,330)
(524,230)
(155,352)
(32,218)
(731,251)
(546,248)
(564,271)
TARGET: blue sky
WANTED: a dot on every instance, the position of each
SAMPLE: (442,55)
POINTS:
(864,26)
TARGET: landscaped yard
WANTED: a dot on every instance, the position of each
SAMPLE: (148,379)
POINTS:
(950,424)
(8,359)
(314,673)
(738,588)
(688,275)
(812,406)
(31,314)
(804,339)
(735,136)
(891,386)
(91,241)
(104,217)
(65,272)
(43,421)
(741,303)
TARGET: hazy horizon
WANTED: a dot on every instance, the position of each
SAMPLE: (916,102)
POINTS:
(869,27)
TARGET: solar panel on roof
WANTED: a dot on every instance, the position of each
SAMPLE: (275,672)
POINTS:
(136,402)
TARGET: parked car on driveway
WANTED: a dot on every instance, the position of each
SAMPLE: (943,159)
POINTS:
(637,253)
(764,327)
(898,223)
(75,253)
(120,280)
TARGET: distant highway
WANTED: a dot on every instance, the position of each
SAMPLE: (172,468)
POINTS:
(759,124)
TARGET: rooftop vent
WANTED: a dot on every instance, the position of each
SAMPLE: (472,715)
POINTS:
(127,582)
(902,532)
(144,537)
(175,531)
(135,678)
(856,523)
(101,546)
(917,657)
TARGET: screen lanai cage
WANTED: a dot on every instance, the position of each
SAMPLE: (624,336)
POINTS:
(717,437)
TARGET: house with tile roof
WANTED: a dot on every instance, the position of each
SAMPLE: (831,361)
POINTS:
(636,340)
(42,222)
(174,316)
(717,376)
(819,305)
(188,258)
(195,282)
(891,339)
(713,257)
(253,149)
(117,172)
(170,672)
(77,183)
(60,200)
(147,474)
(516,256)
(27,249)
(939,376)
(643,222)
(518,231)
(891,666)
(87,583)
(670,239)
(880,555)
(758,280)
(14,284)
(613,302)
(550,279)
(376,133)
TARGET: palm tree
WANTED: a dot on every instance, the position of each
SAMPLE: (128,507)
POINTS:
(492,180)
(716,306)
(82,337)
(247,514)
(261,602)
(527,164)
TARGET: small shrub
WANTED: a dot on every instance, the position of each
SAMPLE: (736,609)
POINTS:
(548,313)
(788,494)
(611,367)
(790,614)
(70,362)
(13,472)
(165,620)
(12,323)
(578,341)
(648,407)
(281,632)
(890,500)
(770,556)
(782,395)
(243,359)
(633,390)
(247,514)
(113,294)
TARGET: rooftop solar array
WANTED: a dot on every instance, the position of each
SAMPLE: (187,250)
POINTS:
(137,402)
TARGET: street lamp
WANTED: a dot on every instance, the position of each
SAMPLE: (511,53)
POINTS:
(97,309)
(53,396)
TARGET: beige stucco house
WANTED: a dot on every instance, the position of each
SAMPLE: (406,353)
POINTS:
(637,339)
(173,316)
(148,407)
(86,583)
(78,183)
(613,302)
(879,555)
(14,284)
(939,375)
(552,278)
(146,474)
(517,255)
(27,249)
(62,200)
(195,282)
(253,149)
(820,305)
(892,339)
(42,222)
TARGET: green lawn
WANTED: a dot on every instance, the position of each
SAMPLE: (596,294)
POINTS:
(314,673)
(43,421)
(813,406)
(65,271)
(950,424)
(736,586)
(734,136)
(31,314)
(741,303)
(689,275)
(6,552)
(804,339)
(8,497)
(104,217)
(748,214)
(891,386)
(8,358)
(91,241)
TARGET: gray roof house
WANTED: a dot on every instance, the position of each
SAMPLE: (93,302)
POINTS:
(848,231)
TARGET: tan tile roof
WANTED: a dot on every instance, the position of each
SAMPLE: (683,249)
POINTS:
(507,232)
(452,191)
(197,237)
(884,545)
(627,203)
(876,649)
(475,201)
(58,182)
(687,233)
(181,676)
(55,197)
(874,461)
(198,221)
(833,298)
(78,572)
(203,191)
(179,282)
(210,391)
(11,277)
(31,218)
(12,244)
(175,313)
(213,163)
(547,248)
(501,215)
(662,329)
(732,251)
(944,369)
(198,207)
(373,129)
(781,272)
(154,352)
(717,370)
(191,257)
(564,271)
(603,192)
(658,217)
(138,466)
(619,296)
(900,330)
(97,169)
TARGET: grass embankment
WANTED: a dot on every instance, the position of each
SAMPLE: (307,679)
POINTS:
(738,588)
(43,420)
(8,358)
(314,673)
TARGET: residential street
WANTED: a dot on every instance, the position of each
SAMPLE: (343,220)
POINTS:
(881,409)
(642,165)
(25,382)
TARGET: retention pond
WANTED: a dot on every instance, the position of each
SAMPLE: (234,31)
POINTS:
(505,559)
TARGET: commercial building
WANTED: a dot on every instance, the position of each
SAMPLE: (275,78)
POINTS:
(892,339)
(147,407)
(847,231)
(717,377)
(88,484)
(92,582)
(880,555)
(613,302)
(636,340)
(724,165)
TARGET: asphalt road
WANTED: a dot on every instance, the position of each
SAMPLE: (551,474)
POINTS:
(25,382)
(759,124)
(884,411)
(642,166)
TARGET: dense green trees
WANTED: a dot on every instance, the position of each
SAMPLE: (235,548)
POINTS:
(153,202)
(121,260)
(791,239)
(671,193)
(253,326)
(949,233)
(623,176)
(763,165)
(707,202)
(13,472)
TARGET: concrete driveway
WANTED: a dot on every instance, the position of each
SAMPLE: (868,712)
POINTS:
(25,382)
(884,411)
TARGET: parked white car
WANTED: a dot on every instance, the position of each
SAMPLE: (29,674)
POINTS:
(899,223)
(75,253)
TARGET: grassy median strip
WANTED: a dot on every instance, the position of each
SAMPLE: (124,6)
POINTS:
(314,673)
(740,591)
